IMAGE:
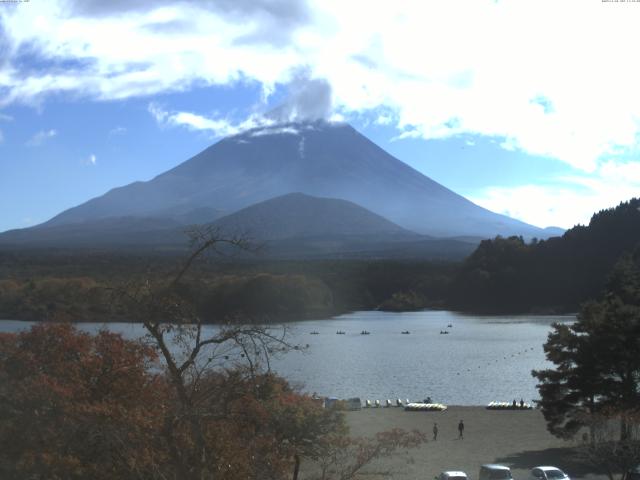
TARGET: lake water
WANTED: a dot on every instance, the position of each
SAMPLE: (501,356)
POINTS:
(483,358)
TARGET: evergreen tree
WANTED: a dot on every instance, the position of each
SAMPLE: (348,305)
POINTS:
(597,366)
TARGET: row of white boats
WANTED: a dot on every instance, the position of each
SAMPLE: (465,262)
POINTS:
(429,406)
(412,406)
(509,406)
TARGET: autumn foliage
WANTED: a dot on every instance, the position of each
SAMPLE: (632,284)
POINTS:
(74,405)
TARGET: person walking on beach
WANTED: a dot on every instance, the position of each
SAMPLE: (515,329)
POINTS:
(435,431)
(461,430)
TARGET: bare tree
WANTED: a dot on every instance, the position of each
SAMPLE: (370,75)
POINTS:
(192,351)
(339,457)
(189,349)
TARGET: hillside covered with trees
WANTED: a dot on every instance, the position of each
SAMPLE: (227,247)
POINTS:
(554,275)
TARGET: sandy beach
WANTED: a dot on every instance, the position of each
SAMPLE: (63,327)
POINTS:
(517,439)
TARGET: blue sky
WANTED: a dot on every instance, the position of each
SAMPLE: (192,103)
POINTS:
(545,128)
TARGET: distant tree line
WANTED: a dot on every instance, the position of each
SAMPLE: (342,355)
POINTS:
(266,292)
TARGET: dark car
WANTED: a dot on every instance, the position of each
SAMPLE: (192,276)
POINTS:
(634,473)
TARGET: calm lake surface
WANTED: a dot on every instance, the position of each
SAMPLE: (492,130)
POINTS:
(483,358)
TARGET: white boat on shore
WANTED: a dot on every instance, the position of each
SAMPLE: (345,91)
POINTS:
(425,407)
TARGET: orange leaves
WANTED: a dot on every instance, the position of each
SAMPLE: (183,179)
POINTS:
(75,405)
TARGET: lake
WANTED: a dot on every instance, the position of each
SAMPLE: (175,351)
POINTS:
(483,358)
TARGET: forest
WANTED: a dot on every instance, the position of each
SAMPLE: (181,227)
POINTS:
(61,285)
(506,275)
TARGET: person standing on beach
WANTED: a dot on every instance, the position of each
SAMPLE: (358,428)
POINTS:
(461,430)
(435,431)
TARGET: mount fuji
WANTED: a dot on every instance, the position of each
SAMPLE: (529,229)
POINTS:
(319,159)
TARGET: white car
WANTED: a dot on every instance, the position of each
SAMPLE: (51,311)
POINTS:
(492,471)
(548,473)
(452,475)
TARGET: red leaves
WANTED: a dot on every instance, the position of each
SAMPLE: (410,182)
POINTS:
(74,404)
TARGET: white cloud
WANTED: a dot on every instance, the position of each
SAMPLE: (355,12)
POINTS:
(261,132)
(570,201)
(119,130)
(218,127)
(40,137)
(548,78)
(256,125)
(5,118)
(92,160)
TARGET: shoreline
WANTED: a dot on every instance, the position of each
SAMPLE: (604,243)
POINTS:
(315,316)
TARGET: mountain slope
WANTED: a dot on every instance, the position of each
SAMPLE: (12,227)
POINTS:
(301,226)
(116,232)
(297,215)
(320,159)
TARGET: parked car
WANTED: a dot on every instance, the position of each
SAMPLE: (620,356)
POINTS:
(548,473)
(634,473)
(452,475)
(492,471)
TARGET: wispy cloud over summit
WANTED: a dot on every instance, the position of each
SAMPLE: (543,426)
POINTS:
(308,99)
(217,126)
